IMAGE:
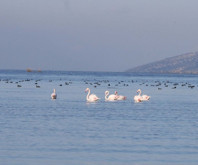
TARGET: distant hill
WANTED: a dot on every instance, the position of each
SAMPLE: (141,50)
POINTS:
(182,64)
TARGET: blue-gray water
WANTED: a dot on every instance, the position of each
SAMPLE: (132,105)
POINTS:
(37,130)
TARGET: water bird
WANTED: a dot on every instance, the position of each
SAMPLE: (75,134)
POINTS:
(137,98)
(54,95)
(191,86)
(142,97)
(120,97)
(175,84)
(92,97)
(111,97)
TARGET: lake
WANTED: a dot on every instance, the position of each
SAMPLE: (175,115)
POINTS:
(34,129)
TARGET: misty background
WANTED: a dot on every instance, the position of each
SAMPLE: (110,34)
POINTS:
(94,35)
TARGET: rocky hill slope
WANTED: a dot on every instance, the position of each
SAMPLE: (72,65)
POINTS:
(182,64)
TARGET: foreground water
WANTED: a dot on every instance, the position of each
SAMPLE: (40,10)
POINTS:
(37,130)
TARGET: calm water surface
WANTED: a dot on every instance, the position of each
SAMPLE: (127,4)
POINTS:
(37,130)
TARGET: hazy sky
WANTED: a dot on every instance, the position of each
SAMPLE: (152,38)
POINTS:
(94,35)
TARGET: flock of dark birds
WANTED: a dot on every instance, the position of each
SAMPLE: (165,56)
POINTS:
(95,83)
(157,84)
